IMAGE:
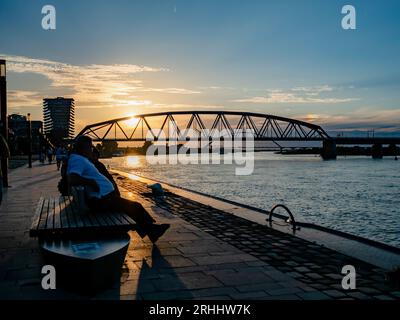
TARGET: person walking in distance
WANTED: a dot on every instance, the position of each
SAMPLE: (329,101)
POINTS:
(49,155)
(59,156)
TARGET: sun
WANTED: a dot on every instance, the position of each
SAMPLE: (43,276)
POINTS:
(132,122)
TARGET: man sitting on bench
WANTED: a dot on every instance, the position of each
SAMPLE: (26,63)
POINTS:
(100,192)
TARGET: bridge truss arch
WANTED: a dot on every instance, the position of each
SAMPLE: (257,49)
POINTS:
(176,124)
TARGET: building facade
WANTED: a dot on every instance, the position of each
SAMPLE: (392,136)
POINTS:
(59,119)
(18,127)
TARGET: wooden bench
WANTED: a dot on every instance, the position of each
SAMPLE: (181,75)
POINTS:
(86,248)
(61,218)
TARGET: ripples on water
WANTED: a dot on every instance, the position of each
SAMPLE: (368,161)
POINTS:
(357,195)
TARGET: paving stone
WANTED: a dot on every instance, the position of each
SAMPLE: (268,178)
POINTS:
(134,287)
(199,281)
(313,296)
(179,270)
(249,295)
(173,261)
(204,260)
(167,295)
(384,297)
(335,293)
(359,295)
(199,249)
(214,298)
(284,291)
(313,275)
(242,278)
(186,282)
(302,269)
(226,291)
(289,297)
(259,286)
(256,263)
(367,290)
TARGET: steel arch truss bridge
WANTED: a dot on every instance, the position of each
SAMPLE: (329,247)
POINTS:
(179,125)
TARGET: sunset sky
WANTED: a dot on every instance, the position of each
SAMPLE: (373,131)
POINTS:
(289,58)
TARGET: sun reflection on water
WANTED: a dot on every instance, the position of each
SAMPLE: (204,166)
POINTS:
(133,162)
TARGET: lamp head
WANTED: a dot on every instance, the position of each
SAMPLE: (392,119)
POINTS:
(2,68)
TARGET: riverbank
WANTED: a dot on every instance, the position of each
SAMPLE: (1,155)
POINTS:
(344,151)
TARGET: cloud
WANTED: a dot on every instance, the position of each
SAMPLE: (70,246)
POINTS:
(169,90)
(23,98)
(313,91)
(92,86)
(216,88)
(360,119)
(180,106)
(297,95)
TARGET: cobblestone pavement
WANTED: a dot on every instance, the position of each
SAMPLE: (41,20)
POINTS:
(207,254)
(313,265)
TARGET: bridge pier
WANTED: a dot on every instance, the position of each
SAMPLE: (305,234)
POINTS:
(377,151)
(392,150)
(328,151)
(210,146)
(221,145)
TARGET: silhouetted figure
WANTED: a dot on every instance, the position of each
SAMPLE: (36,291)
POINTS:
(42,155)
(60,155)
(49,155)
(101,194)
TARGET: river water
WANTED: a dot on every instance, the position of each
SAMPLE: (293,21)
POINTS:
(357,195)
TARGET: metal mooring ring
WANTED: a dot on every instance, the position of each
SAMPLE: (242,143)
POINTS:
(292,221)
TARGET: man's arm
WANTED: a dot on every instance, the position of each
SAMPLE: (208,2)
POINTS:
(103,170)
(76,180)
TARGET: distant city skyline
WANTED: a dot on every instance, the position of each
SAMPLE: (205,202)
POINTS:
(288,58)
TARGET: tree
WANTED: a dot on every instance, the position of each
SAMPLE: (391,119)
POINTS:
(108,148)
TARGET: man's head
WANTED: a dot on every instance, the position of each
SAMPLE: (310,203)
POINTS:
(83,146)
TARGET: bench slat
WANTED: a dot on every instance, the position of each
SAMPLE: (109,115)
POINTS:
(57,218)
(63,213)
(107,219)
(126,218)
(60,217)
(98,219)
(44,214)
(115,217)
(38,213)
(71,213)
(93,220)
(50,218)
(79,216)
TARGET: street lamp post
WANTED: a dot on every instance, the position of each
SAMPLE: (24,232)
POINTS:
(3,118)
(29,141)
